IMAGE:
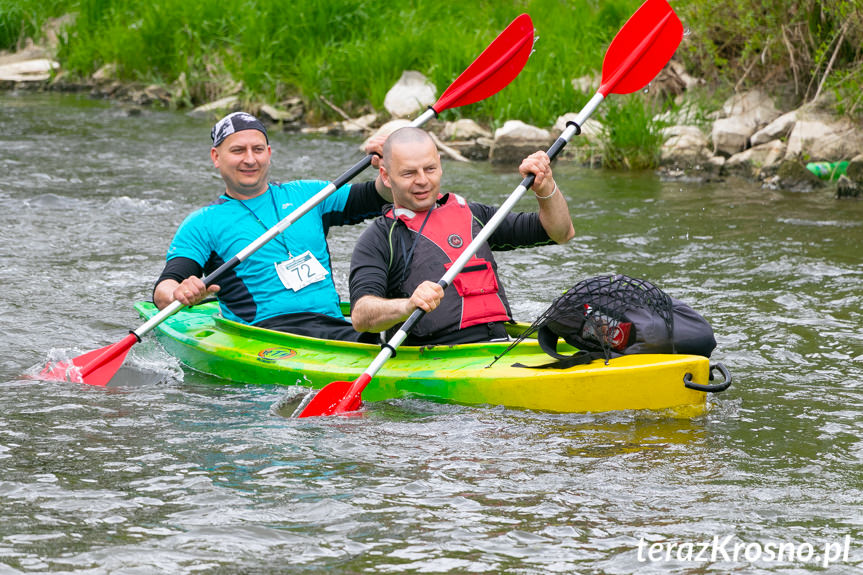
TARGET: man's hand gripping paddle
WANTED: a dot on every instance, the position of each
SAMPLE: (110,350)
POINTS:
(494,69)
(636,55)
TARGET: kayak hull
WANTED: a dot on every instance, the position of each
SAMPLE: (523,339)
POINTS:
(200,338)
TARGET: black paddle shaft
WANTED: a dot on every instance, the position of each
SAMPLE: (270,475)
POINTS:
(553,152)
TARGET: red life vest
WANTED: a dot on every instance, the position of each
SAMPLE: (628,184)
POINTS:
(476,296)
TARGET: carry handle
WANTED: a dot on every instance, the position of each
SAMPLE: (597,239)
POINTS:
(713,387)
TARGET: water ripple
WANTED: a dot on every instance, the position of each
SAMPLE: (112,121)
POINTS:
(172,471)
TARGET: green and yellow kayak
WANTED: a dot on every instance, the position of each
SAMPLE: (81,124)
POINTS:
(203,340)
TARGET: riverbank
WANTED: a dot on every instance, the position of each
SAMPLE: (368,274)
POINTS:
(747,137)
(682,125)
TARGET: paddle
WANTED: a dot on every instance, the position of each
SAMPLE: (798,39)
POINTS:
(494,69)
(636,55)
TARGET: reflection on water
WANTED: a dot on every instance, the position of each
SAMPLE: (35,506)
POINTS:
(172,471)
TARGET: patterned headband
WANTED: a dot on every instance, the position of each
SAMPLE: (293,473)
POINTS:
(236,122)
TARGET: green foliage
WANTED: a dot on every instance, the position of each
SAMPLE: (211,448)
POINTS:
(632,137)
(13,24)
(20,19)
(352,51)
(796,45)
(349,51)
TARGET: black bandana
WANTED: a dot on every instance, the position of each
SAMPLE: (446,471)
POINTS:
(236,122)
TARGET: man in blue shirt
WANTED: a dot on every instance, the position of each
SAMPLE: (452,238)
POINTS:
(287,284)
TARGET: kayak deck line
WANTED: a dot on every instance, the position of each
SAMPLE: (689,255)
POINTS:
(201,339)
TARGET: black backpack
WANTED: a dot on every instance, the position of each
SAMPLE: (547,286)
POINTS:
(609,316)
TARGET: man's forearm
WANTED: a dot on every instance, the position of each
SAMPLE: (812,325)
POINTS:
(554,216)
(163,295)
(376,314)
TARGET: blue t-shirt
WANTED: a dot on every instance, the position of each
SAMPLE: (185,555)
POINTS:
(252,291)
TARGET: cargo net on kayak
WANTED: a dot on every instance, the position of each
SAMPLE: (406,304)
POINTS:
(600,316)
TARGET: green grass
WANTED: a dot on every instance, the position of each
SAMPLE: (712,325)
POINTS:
(20,19)
(349,51)
(632,138)
(352,51)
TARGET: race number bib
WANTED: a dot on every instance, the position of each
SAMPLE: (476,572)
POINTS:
(300,271)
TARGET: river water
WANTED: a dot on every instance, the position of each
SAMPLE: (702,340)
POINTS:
(172,471)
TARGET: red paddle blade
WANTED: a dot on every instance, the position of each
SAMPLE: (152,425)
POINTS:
(337,397)
(95,367)
(494,69)
(642,47)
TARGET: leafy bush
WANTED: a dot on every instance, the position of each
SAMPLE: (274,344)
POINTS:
(803,47)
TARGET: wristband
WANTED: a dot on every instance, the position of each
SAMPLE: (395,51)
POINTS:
(554,191)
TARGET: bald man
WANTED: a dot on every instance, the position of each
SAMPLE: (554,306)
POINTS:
(399,259)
